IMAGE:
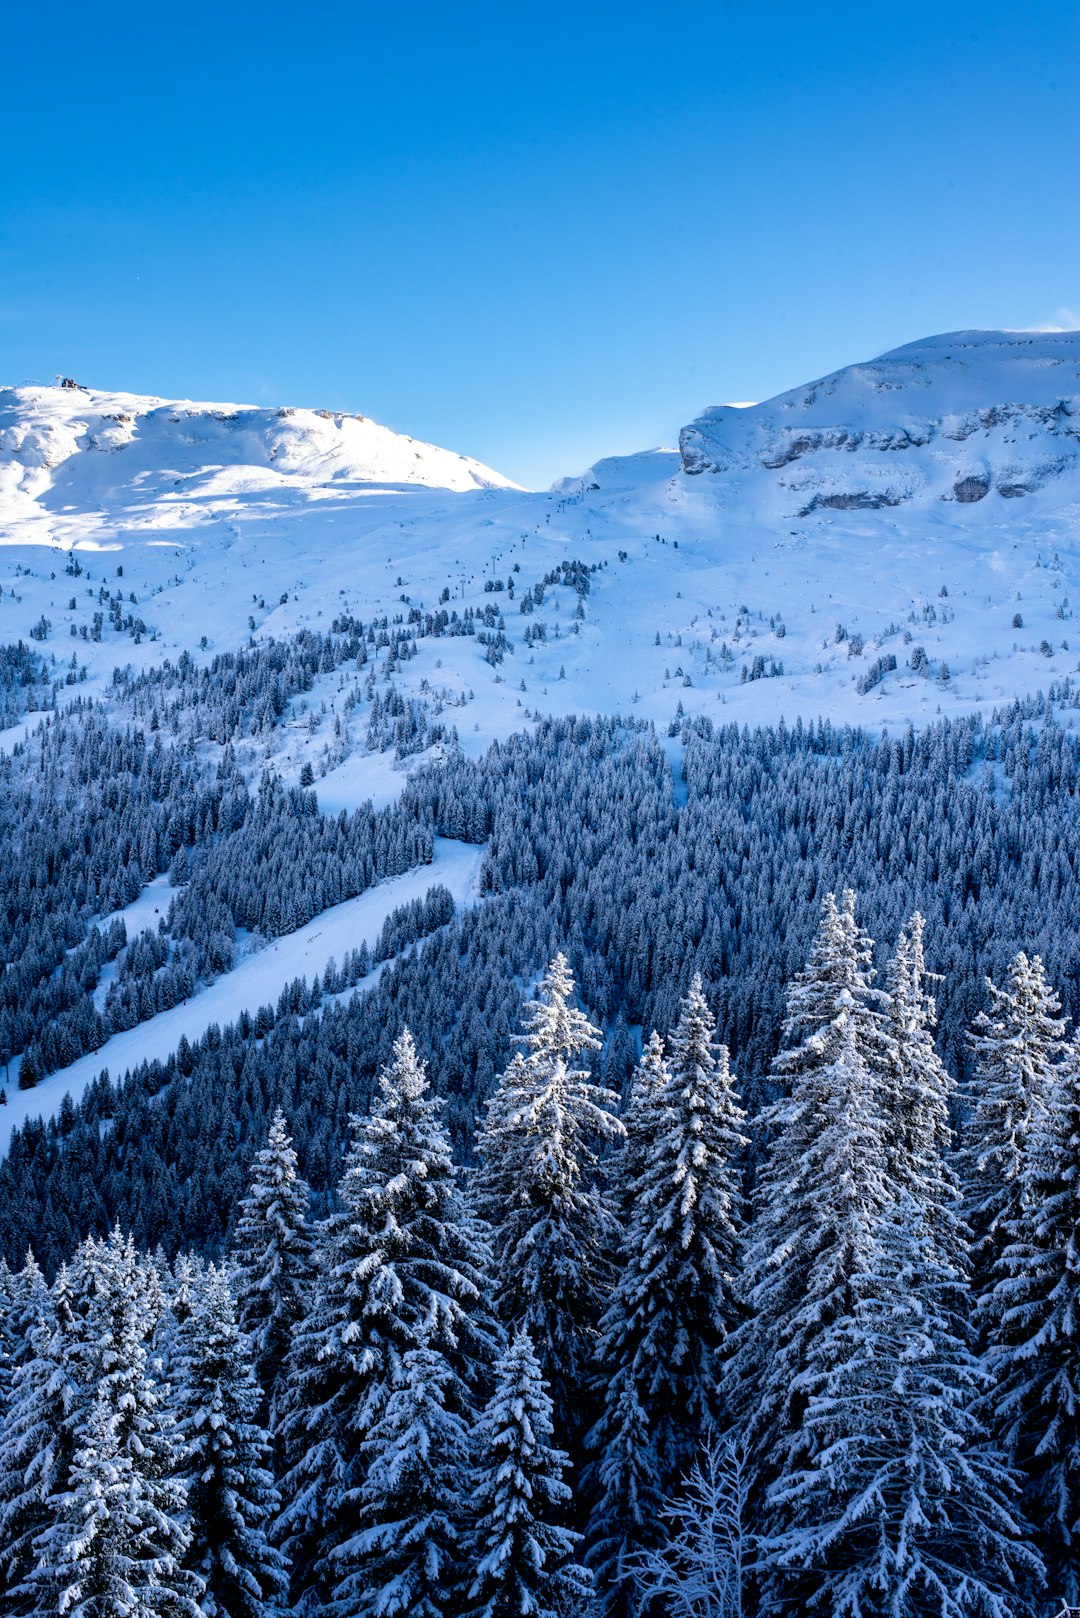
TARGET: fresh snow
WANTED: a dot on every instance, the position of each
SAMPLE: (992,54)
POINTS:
(256,981)
(221,515)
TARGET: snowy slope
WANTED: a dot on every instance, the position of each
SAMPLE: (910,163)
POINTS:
(67,451)
(257,980)
(842,509)
(955,417)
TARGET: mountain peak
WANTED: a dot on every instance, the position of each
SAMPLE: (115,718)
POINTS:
(953,416)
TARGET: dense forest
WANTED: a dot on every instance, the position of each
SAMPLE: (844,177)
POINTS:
(660,1233)
(590,1374)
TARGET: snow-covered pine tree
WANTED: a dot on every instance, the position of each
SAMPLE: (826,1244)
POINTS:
(1032,1318)
(666,1327)
(116,1543)
(818,1194)
(272,1257)
(901,1507)
(409,1554)
(231,1494)
(525,1561)
(7,1329)
(401,1262)
(919,1137)
(1016,1045)
(538,1147)
(624,1165)
(35,1447)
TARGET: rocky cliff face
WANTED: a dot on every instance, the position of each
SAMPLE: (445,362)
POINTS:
(959,417)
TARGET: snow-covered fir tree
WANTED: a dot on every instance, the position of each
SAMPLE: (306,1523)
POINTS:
(272,1256)
(624,1164)
(526,1563)
(401,1263)
(1016,1044)
(818,1194)
(901,1506)
(116,1545)
(1032,1318)
(409,1555)
(919,1136)
(538,1147)
(35,1445)
(117,1538)
(230,1487)
(666,1327)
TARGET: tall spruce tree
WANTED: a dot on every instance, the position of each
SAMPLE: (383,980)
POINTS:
(410,1553)
(818,1195)
(525,1560)
(919,1136)
(538,1148)
(624,1164)
(1016,1044)
(272,1256)
(901,1507)
(1032,1316)
(116,1545)
(117,1538)
(401,1263)
(35,1447)
(231,1495)
(674,1305)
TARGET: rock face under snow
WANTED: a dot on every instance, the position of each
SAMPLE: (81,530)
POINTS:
(956,417)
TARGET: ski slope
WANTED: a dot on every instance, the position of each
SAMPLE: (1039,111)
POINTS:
(257,980)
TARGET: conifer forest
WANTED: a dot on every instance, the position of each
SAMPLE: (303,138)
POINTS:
(688,1226)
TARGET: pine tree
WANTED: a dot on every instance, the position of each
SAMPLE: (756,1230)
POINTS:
(666,1327)
(919,1137)
(401,1263)
(407,1557)
(901,1508)
(115,1548)
(231,1494)
(526,1566)
(818,1195)
(624,1165)
(116,1543)
(1016,1045)
(35,1446)
(272,1257)
(1033,1329)
(552,1228)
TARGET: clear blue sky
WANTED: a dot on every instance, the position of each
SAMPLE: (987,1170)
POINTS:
(538,234)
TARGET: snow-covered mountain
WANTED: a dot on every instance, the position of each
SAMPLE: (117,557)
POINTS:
(71,449)
(923,507)
(897,542)
(956,417)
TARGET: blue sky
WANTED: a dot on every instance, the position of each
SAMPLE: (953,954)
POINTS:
(534,234)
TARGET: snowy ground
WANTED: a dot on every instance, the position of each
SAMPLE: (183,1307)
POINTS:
(216,533)
(256,981)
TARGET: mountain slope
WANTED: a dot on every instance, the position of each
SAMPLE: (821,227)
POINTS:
(777,566)
(954,417)
(73,448)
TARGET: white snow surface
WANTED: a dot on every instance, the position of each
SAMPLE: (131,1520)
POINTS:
(257,980)
(213,528)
